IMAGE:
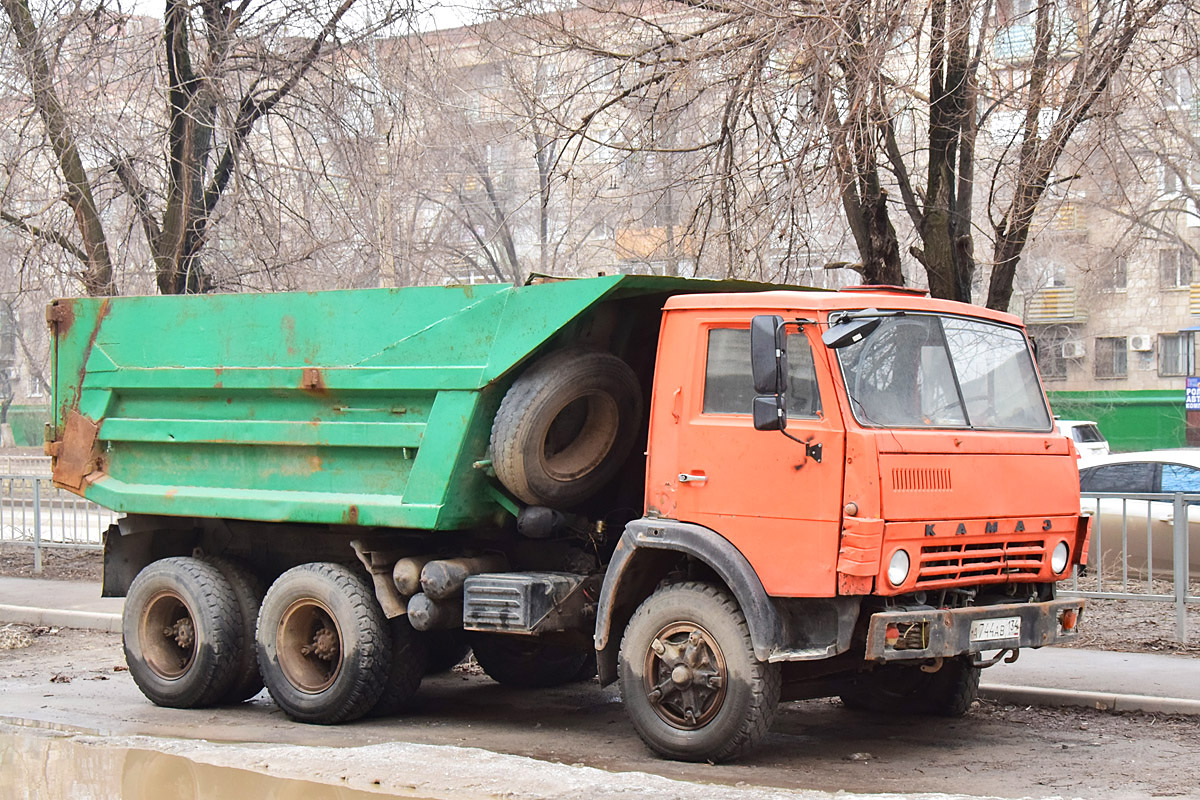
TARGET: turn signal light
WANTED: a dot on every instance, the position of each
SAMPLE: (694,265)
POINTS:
(892,634)
(1068,619)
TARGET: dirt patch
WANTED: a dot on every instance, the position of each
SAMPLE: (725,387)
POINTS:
(58,563)
(1136,626)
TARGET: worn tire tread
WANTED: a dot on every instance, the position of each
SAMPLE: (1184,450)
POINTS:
(216,602)
(372,643)
(248,592)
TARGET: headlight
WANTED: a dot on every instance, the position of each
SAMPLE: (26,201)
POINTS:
(898,568)
(1060,557)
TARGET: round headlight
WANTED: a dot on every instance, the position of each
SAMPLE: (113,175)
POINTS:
(898,568)
(1060,557)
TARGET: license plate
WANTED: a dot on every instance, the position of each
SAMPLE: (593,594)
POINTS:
(985,630)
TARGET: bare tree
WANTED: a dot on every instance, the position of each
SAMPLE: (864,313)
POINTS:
(226,69)
(877,105)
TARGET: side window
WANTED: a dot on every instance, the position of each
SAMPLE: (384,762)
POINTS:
(729,384)
(1178,478)
(1135,478)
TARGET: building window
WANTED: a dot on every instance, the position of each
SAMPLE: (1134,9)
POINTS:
(1174,268)
(1051,363)
(1173,353)
(1112,357)
(1120,273)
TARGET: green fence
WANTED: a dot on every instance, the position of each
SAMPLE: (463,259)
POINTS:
(1131,420)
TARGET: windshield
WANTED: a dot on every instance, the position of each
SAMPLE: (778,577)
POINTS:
(928,371)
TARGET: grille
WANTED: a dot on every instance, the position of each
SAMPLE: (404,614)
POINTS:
(979,560)
(921,479)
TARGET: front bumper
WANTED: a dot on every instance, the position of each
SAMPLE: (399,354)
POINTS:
(944,632)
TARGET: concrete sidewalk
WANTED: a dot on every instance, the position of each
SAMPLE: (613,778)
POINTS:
(64,604)
(1053,676)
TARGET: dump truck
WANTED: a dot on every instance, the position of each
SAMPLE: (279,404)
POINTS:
(719,495)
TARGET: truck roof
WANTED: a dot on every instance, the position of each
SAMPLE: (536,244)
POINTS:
(855,298)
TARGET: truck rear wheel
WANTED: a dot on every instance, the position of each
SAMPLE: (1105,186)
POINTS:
(323,644)
(447,649)
(907,689)
(566,426)
(689,679)
(248,594)
(179,629)
(526,662)
(409,663)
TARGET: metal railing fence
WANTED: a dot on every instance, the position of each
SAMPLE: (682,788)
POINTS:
(1141,550)
(35,512)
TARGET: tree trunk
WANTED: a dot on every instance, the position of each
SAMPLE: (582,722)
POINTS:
(97,276)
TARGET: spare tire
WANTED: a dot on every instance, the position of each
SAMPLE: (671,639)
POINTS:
(566,426)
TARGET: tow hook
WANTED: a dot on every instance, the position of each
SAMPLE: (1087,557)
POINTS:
(1010,656)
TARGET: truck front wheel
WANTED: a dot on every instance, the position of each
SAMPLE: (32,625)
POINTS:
(323,644)
(689,679)
(907,689)
(180,629)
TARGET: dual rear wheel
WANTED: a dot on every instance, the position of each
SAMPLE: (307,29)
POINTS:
(201,632)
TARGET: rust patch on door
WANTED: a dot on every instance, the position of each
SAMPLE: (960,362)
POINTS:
(77,454)
(351,515)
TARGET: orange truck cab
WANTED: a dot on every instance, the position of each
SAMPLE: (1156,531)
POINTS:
(876,479)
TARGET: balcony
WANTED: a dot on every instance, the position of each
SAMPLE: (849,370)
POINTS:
(1053,305)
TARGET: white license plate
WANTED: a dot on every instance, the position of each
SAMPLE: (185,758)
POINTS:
(985,630)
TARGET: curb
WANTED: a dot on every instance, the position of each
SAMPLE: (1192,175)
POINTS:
(1101,701)
(91,620)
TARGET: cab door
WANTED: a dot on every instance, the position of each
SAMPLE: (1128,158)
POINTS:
(778,500)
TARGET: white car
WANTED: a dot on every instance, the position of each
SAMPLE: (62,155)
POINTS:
(1149,472)
(1089,441)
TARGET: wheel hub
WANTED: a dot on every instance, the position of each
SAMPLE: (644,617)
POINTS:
(168,635)
(685,675)
(309,646)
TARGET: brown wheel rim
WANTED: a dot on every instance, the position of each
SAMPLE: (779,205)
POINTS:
(580,436)
(167,632)
(309,646)
(685,676)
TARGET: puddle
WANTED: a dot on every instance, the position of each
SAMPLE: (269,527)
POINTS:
(39,766)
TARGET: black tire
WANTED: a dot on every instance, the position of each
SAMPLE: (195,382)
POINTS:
(446,648)
(679,634)
(565,427)
(410,662)
(323,644)
(527,662)
(179,630)
(907,689)
(248,593)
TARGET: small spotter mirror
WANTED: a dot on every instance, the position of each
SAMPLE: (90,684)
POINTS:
(849,331)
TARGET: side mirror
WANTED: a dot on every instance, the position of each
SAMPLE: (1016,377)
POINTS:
(768,353)
(844,334)
(769,414)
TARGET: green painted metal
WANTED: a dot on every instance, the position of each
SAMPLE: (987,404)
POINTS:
(1130,420)
(366,407)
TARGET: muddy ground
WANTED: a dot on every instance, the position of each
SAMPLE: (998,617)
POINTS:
(76,680)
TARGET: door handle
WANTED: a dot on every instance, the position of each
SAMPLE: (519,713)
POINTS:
(686,478)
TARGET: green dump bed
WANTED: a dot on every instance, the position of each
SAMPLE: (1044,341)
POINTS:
(363,407)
